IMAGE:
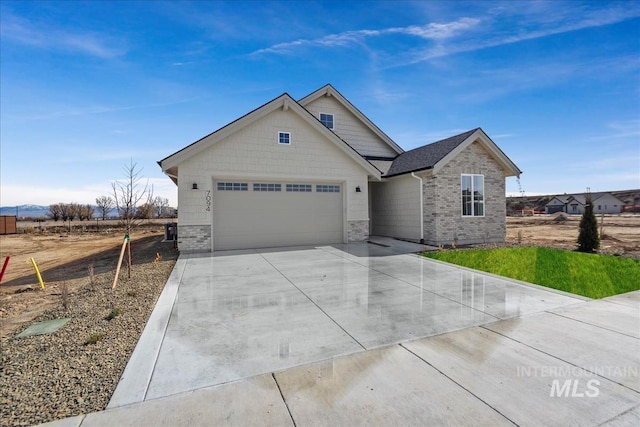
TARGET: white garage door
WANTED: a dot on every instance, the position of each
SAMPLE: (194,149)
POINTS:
(250,214)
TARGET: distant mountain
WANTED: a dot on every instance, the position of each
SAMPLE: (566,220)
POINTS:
(26,211)
(38,211)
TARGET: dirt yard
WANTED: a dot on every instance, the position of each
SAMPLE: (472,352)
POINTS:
(75,370)
(63,259)
(620,234)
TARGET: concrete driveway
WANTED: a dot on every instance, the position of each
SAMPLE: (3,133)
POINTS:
(238,314)
(366,335)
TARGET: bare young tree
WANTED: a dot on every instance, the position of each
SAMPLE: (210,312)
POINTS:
(129,193)
(105,204)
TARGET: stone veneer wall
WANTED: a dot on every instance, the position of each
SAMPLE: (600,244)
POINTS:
(443,220)
(194,238)
(358,230)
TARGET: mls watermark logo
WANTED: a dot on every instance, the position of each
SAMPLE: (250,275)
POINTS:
(574,388)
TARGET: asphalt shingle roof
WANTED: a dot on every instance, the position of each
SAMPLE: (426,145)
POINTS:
(427,156)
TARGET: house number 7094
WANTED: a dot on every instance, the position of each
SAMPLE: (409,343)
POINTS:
(207,199)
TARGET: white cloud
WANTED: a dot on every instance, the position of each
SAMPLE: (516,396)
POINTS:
(501,26)
(620,129)
(24,32)
(431,31)
(547,23)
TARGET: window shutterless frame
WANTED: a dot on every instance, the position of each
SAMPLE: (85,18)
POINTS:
(472,195)
(327,120)
(284,138)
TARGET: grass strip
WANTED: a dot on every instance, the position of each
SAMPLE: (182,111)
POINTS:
(590,275)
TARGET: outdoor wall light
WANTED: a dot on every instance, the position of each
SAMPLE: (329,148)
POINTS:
(195,186)
(358,189)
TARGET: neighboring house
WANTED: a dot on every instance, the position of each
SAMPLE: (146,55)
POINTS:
(317,171)
(607,203)
(556,204)
(603,203)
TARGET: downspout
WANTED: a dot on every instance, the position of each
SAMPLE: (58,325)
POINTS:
(421,207)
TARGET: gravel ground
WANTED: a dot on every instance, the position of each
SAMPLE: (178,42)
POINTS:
(49,377)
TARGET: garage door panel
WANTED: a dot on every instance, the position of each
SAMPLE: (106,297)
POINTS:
(255,219)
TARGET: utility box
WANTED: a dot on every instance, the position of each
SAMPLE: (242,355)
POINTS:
(8,224)
(171,231)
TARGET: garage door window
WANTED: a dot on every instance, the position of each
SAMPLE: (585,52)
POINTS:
(233,186)
(266,187)
(321,188)
(299,188)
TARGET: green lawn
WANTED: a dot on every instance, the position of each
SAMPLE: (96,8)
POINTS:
(590,275)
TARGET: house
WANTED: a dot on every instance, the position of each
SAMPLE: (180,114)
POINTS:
(556,204)
(603,203)
(318,171)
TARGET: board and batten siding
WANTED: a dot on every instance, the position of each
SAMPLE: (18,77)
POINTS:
(395,207)
(350,128)
(253,153)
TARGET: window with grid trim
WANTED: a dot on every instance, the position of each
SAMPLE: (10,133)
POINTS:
(472,195)
(266,187)
(299,188)
(323,188)
(327,120)
(233,186)
(284,138)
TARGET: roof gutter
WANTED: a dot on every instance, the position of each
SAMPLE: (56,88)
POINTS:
(421,207)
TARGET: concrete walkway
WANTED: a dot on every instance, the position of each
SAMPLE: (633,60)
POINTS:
(363,334)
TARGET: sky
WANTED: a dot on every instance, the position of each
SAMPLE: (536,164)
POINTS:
(86,88)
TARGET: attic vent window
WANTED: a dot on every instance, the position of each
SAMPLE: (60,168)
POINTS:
(284,138)
(327,120)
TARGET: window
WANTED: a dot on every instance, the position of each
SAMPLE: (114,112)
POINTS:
(320,188)
(233,186)
(472,195)
(284,138)
(327,120)
(266,187)
(299,188)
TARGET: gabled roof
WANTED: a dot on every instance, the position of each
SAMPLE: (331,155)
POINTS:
(169,164)
(328,90)
(436,155)
(582,197)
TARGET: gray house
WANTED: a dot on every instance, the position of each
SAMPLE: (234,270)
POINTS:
(603,203)
(318,171)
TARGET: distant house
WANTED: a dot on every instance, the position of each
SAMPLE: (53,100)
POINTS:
(574,204)
(318,171)
(607,203)
(556,204)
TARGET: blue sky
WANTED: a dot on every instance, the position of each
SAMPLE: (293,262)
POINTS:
(87,86)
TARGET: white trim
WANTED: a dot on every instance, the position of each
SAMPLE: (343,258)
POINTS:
(491,148)
(421,206)
(284,143)
(329,90)
(484,207)
(333,119)
(176,158)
